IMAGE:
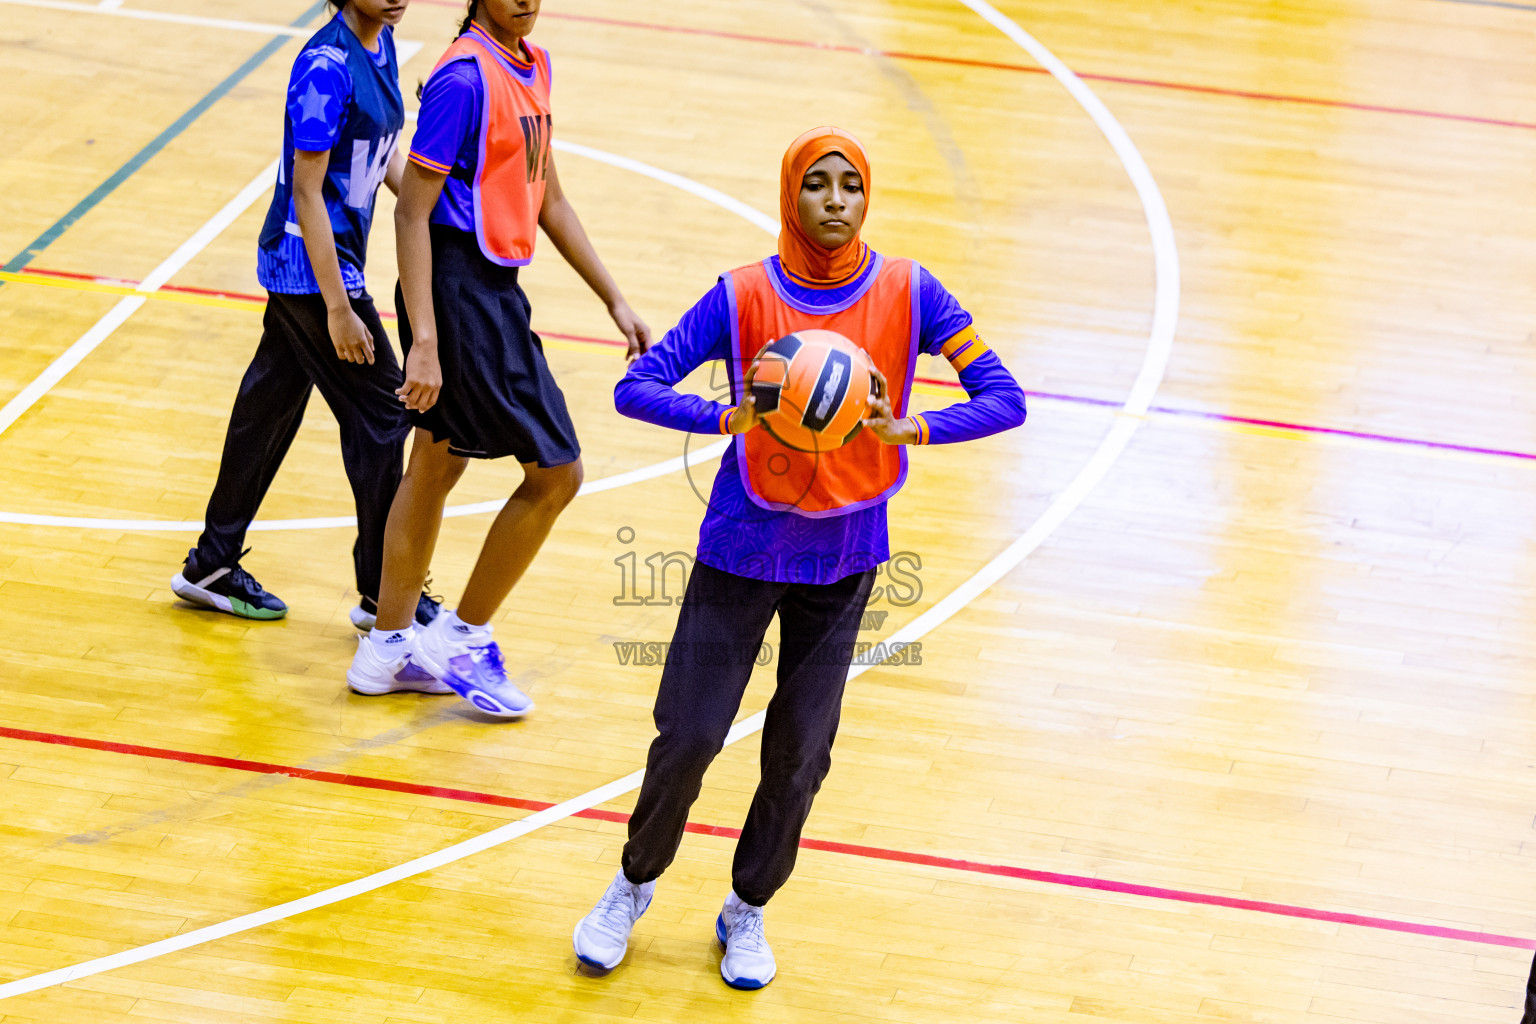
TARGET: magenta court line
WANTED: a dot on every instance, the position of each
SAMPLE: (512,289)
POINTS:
(1050,396)
(1300,428)
(824,845)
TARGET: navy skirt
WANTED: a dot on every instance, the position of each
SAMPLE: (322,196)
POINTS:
(499,397)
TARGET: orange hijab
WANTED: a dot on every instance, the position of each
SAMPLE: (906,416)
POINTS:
(798,253)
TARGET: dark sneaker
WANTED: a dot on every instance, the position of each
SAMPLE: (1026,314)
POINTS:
(366,615)
(226,588)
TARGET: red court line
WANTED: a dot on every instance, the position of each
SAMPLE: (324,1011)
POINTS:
(1053,396)
(825,846)
(1031,69)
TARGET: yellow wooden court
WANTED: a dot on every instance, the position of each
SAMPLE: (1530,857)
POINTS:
(1221,699)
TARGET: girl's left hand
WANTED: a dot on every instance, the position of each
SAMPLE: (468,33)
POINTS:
(634,330)
(880,419)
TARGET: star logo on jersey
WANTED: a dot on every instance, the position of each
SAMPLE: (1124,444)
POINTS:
(313,103)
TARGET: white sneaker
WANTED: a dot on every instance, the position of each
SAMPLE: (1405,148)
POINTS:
(748,962)
(373,673)
(602,937)
(473,667)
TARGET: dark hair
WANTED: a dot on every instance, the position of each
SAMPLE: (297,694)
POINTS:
(469,19)
(340,5)
(470,15)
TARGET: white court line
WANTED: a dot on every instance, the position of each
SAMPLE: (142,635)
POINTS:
(404,49)
(607,483)
(115,318)
(115,8)
(126,307)
(1154,362)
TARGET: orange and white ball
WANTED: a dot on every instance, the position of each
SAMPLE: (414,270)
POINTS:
(813,389)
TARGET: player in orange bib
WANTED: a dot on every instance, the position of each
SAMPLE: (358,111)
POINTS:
(479,183)
(788,533)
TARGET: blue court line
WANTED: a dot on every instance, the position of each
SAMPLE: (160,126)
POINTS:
(1493,3)
(143,156)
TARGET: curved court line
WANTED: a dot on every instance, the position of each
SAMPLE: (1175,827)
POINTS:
(607,483)
(205,235)
(294,31)
(1101,884)
(159,143)
(1154,363)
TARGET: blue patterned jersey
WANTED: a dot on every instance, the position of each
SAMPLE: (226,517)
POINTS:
(346,99)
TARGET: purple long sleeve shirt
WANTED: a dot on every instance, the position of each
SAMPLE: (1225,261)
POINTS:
(738,535)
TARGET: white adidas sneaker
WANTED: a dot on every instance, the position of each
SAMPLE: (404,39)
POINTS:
(373,673)
(472,666)
(748,962)
(602,937)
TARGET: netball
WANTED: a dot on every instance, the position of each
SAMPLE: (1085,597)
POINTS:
(813,389)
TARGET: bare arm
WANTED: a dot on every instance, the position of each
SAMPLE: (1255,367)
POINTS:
(419,192)
(396,171)
(349,335)
(558,219)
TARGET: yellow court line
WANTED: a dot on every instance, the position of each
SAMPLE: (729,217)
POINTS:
(102,288)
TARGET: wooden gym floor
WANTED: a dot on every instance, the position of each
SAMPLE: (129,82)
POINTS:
(1225,702)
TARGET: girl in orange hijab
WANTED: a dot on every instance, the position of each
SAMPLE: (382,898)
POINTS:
(787,533)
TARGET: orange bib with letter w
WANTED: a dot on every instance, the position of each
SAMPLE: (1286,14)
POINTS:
(514,147)
(882,318)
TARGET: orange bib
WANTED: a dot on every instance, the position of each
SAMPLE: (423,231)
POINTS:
(883,319)
(514,147)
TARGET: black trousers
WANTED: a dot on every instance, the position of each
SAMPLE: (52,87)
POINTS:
(719,631)
(296,355)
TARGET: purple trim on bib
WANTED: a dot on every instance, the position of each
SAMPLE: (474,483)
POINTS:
(872,274)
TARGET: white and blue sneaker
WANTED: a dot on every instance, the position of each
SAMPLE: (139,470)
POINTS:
(376,671)
(602,937)
(472,665)
(748,962)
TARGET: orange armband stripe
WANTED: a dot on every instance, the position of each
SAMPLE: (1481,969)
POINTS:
(431,165)
(922,428)
(964,349)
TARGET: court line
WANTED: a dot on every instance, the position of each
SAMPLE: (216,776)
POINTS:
(1058,878)
(126,307)
(158,278)
(931,58)
(143,156)
(608,483)
(1491,3)
(926,385)
(141,14)
(1150,83)
(139,294)
(1154,365)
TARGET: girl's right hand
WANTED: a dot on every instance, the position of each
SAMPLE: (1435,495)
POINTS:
(744,417)
(350,336)
(423,378)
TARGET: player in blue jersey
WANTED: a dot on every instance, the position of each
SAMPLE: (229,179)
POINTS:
(344,114)
(808,555)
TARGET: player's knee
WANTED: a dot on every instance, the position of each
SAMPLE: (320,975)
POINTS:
(687,750)
(555,487)
(435,470)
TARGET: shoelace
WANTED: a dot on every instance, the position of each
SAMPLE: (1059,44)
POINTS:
(426,591)
(747,931)
(491,656)
(615,911)
(242,580)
